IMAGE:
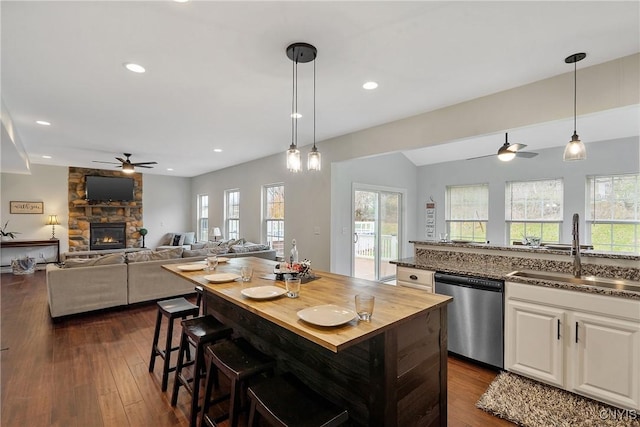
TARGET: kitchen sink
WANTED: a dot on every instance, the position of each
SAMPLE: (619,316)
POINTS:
(603,282)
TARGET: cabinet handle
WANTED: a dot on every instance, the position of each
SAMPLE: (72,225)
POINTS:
(576,332)
(413,277)
(558,328)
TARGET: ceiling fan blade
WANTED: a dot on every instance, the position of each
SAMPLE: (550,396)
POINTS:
(144,163)
(526,154)
(516,147)
(143,166)
(121,159)
(111,163)
(481,157)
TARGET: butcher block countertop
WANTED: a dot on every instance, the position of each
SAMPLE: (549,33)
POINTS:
(393,305)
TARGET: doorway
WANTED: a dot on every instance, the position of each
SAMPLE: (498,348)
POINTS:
(377,227)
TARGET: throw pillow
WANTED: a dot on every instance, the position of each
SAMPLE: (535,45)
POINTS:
(109,259)
(195,246)
(139,256)
(212,244)
(253,247)
(178,240)
(189,238)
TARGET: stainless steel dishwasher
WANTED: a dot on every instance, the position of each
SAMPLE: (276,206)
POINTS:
(475,317)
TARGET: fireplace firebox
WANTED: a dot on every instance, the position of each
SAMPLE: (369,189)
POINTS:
(110,235)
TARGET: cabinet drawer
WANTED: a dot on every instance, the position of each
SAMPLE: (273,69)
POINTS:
(414,276)
(425,288)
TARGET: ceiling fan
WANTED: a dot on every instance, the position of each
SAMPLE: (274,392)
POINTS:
(508,151)
(127,165)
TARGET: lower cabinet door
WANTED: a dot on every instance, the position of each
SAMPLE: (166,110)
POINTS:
(605,359)
(534,337)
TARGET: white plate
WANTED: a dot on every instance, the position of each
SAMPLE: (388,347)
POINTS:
(191,267)
(327,315)
(222,259)
(222,277)
(263,292)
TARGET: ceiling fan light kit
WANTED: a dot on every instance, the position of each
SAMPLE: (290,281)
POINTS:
(575,149)
(127,166)
(301,53)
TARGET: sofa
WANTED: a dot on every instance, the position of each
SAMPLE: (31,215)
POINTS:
(117,279)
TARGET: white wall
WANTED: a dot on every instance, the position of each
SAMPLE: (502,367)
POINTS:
(603,158)
(391,170)
(167,206)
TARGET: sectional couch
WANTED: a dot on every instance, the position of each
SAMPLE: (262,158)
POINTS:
(118,279)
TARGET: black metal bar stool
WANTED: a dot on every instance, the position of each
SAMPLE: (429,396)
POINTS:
(284,401)
(171,309)
(197,332)
(240,362)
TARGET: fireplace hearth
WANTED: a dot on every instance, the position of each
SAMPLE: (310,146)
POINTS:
(107,235)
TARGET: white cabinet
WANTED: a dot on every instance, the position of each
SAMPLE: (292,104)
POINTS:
(415,278)
(583,342)
(534,343)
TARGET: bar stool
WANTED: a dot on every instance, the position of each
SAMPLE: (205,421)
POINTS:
(171,309)
(197,332)
(240,362)
(284,401)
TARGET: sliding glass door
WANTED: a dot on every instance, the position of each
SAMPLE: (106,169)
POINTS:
(377,224)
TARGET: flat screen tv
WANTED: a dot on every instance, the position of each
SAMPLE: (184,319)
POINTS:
(104,188)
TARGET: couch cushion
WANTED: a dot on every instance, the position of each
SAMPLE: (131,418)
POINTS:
(218,250)
(248,247)
(101,260)
(142,256)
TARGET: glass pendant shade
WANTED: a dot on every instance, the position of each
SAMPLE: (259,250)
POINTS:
(506,155)
(293,159)
(575,149)
(128,168)
(314,160)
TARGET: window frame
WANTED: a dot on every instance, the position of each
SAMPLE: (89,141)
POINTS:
(273,225)
(455,226)
(592,222)
(538,222)
(202,222)
(231,222)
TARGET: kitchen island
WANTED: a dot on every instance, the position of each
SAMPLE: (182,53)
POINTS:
(391,371)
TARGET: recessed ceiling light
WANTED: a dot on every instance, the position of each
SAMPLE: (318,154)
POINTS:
(136,68)
(217,150)
(46,157)
(370,85)
(43,123)
(170,169)
(296,115)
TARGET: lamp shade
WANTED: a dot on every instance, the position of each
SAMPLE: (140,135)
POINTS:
(53,220)
(216,232)
(575,150)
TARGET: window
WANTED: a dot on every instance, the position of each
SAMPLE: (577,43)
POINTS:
(273,213)
(467,212)
(613,214)
(534,208)
(203,217)
(232,214)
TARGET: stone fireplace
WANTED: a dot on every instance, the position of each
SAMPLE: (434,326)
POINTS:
(104,235)
(83,214)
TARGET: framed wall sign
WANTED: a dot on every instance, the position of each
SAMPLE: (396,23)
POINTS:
(26,207)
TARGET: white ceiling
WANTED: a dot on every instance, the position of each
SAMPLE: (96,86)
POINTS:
(218,77)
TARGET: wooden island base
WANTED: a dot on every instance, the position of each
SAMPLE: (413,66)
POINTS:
(389,372)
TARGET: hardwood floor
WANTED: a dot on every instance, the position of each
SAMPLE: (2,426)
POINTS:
(92,370)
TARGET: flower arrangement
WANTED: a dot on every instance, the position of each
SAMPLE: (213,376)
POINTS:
(300,269)
(9,234)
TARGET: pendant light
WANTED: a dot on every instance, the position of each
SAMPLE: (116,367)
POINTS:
(575,149)
(301,52)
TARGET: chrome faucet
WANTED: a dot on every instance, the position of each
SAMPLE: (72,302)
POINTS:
(575,248)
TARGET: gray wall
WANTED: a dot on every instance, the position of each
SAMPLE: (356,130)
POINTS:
(392,170)
(167,203)
(603,158)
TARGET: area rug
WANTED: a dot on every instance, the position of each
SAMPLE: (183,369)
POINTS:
(532,404)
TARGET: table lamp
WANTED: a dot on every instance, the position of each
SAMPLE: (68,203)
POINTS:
(215,232)
(53,221)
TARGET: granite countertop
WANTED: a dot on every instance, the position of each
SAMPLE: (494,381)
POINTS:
(496,272)
(522,248)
